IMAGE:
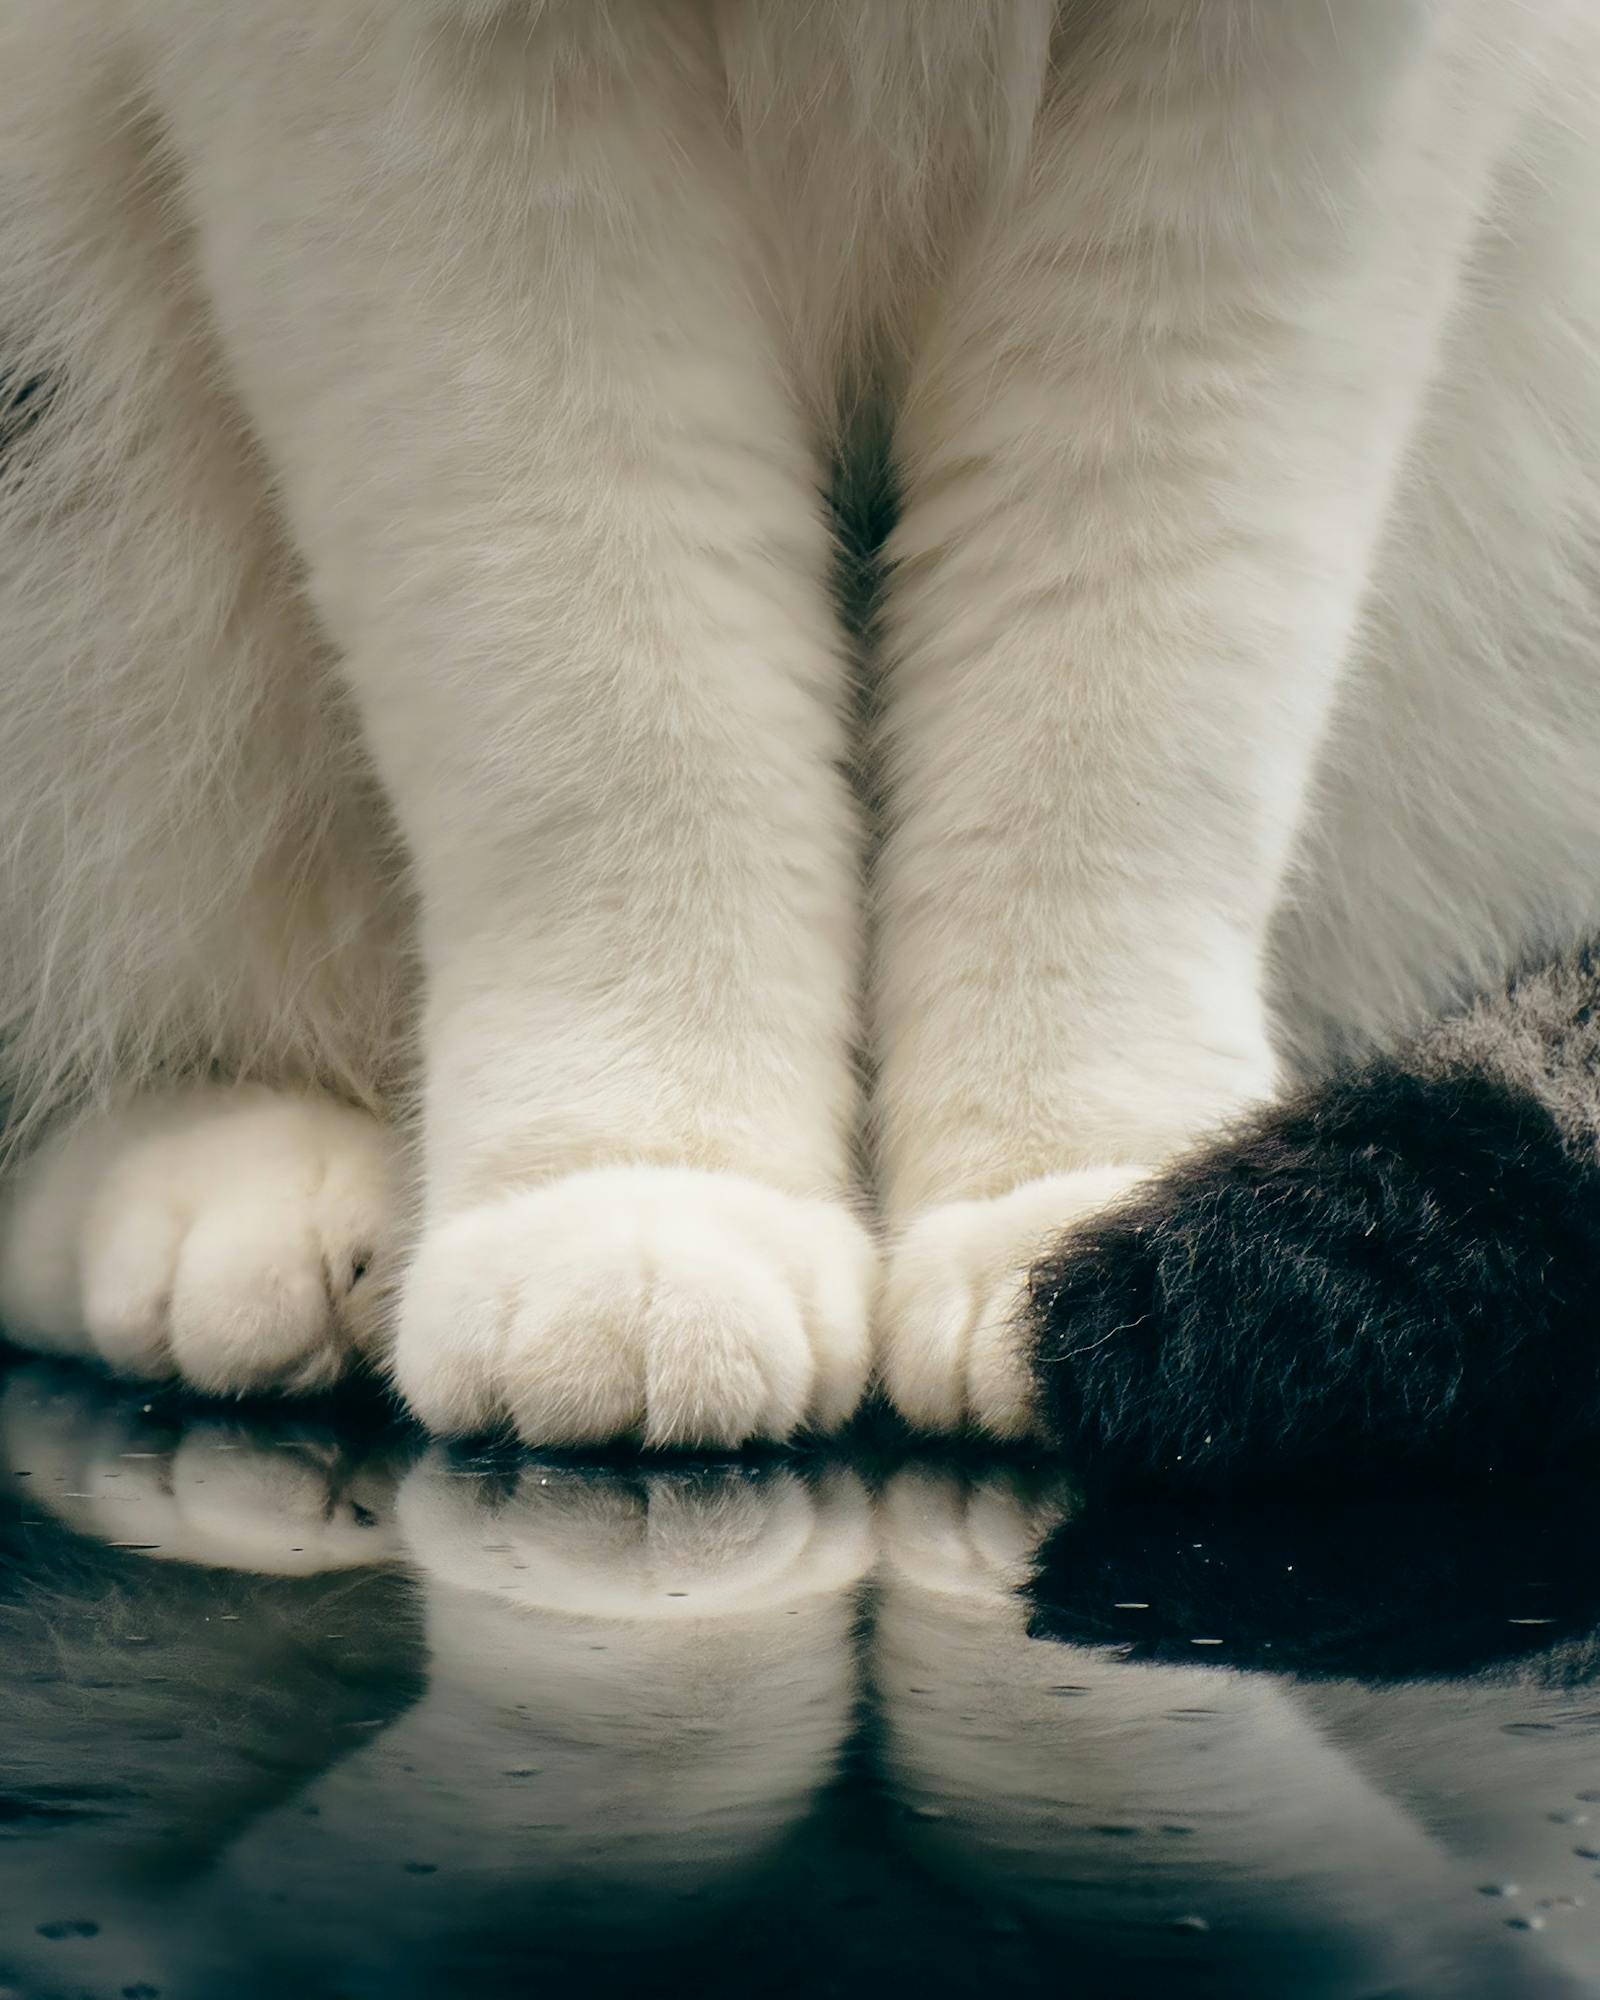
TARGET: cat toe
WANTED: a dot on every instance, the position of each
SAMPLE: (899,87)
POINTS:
(228,1238)
(954,1340)
(666,1306)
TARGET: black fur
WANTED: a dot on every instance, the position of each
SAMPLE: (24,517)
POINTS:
(1378,1590)
(1396,1275)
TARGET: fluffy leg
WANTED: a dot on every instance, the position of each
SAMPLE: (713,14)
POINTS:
(501,329)
(191,872)
(194,876)
(1146,459)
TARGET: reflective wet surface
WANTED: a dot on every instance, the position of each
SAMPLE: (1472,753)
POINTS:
(301,1705)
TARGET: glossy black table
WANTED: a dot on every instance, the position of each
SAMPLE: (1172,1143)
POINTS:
(301,1705)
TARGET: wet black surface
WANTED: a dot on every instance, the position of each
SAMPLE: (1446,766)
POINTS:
(304,1706)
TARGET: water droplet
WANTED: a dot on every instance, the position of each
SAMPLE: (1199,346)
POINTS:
(1068,1688)
(1190,1924)
(1208,1642)
(1587,1853)
(1560,1902)
(1117,1832)
(1524,1923)
(67,1927)
(422,1867)
(1568,1818)
(1499,1889)
(522,1771)
(1130,1606)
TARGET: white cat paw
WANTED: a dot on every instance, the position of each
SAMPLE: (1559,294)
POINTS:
(951,1349)
(976,1539)
(664,1546)
(210,1488)
(667,1305)
(230,1237)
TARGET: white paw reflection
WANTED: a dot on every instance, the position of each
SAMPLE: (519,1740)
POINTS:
(350,1711)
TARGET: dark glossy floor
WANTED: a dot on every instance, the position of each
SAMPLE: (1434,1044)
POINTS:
(308,1708)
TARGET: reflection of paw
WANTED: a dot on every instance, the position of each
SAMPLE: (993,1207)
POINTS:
(678,1307)
(282,1500)
(954,1352)
(974,1539)
(227,1236)
(660,1545)
(671,1649)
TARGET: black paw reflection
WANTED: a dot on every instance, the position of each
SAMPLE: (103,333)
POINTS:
(1416,1589)
(1373,1730)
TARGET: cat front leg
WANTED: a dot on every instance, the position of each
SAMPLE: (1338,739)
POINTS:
(1145,457)
(503,330)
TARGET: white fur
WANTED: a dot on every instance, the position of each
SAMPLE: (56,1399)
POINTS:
(675,1306)
(418,664)
(225,1235)
(953,1355)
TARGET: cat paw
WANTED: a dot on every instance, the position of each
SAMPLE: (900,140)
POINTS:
(228,1237)
(667,1305)
(976,1538)
(652,1547)
(221,1490)
(952,1350)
